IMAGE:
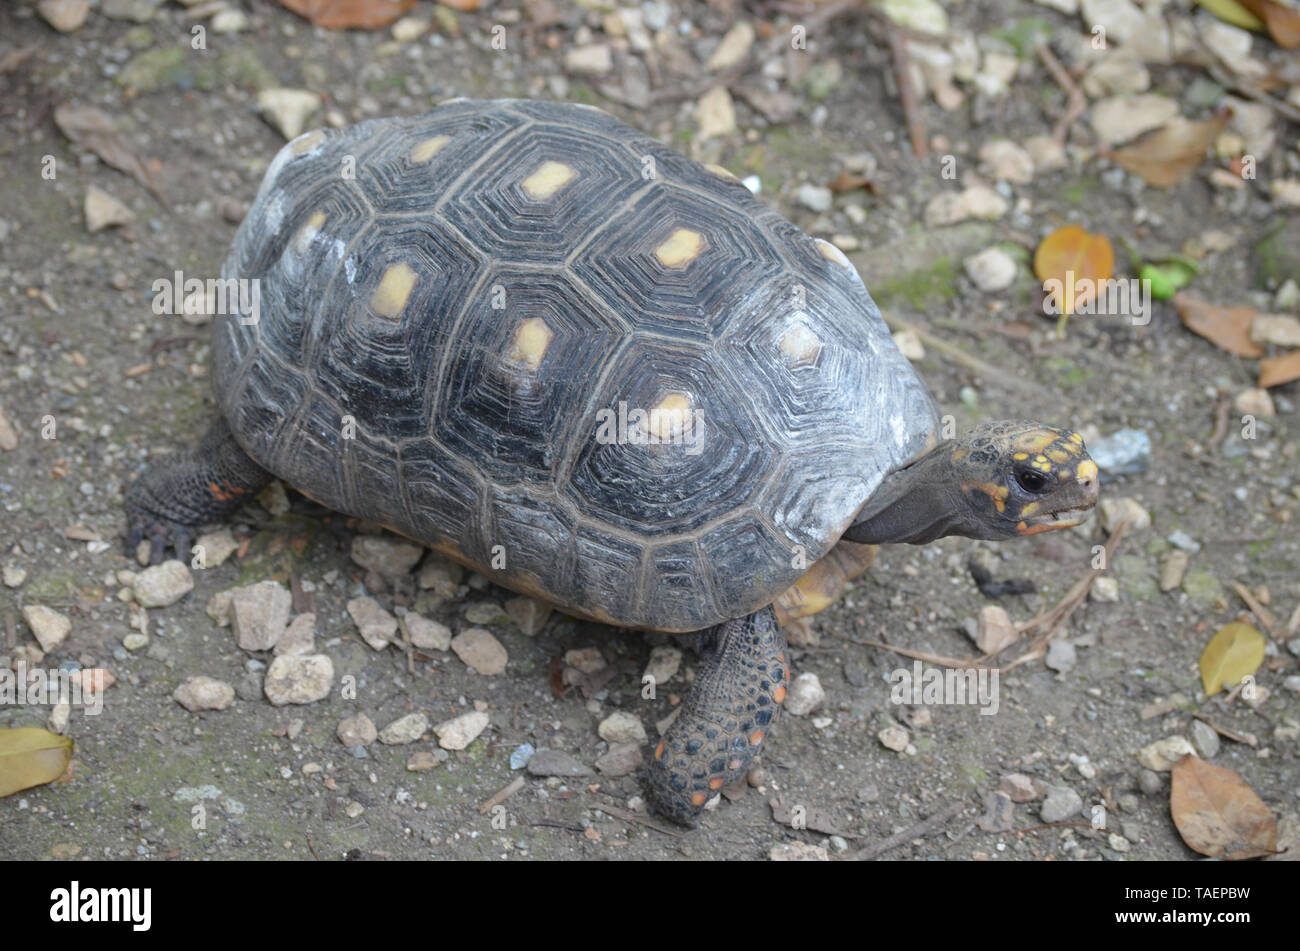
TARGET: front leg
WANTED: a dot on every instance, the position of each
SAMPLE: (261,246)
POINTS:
(184,490)
(737,696)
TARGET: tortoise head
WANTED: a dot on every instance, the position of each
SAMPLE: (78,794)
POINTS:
(1000,480)
(1021,478)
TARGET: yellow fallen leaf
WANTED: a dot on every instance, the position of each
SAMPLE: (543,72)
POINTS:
(1071,263)
(1217,814)
(1232,654)
(30,756)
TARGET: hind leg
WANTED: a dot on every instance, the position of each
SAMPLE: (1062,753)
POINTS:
(182,491)
(736,698)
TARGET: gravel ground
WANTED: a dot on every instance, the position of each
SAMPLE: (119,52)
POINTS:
(80,350)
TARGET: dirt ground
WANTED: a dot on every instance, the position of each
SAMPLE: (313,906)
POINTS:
(79,343)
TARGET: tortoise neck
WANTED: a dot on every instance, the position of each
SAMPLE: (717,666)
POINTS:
(913,505)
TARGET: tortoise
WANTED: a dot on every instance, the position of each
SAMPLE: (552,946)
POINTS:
(602,374)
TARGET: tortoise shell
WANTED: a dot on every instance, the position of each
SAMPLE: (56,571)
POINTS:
(542,343)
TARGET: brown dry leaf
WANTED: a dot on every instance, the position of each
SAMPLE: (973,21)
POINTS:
(1069,256)
(1217,814)
(90,128)
(1172,152)
(349,14)
(1283,23)
(847,181)
(464,6)
(1228,328)
(1274,371)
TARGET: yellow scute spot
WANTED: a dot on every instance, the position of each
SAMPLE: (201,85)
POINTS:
(532,337)
(722,172)
(394,290)
(548,179)
(428,149)
(1087,471)
(1034,442)
(671,416)
(1021,456)
(834,254)
(800,345)
(682,247)
(307,141)
(307,233)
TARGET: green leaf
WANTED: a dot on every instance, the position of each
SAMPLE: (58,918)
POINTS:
(30,756)
(1169,276)
(1162,288)
(1230,11)
(1232,655)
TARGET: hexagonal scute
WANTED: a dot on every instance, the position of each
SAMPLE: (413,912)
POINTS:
(513,396)
(389,321)
(545,195)
(679,264)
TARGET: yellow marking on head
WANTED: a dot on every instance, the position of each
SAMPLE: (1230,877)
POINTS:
(1035,441)
(307,233)
(1020,456)
(1041,464)
(394,290)
(428,149)
(1029,509)
(1087,471)
(682,247)
(307,141)
(723,172)
(548,179)
(532,337)
(1075,437)
(800,345)
(1059,455)
(671,417)
(998,493)
(958,455)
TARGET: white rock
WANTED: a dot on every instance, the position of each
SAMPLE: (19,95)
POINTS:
(64,15)
(1119,72)
(479,649)
(1068,7)
(259,613)
(461,731)
(405,729)
(216,547)
(814,197)
(204,693)
(162,585)
(924,16)
(663,665)
(1254,402)
(409,28)
(715,114)
(804,695)
(797,852)
(1045,152)
(230,20)
(1161,755)
(1280,330)
(893,738)
(49,626)
(299,678)
(991,270)
(589,660)
(1105,590)
(1061,655)
(733,49)
(14,576)
(102,210)
(1121,118)
(386,556)
(994,630)
(621,727)
(1286,191)
(909,344)
(287,110)
(1121,19)
(426,634)
(980,201)
(594,60)
(299,637)
(1112,511)
(1007,162)
(356,730)
(375,625)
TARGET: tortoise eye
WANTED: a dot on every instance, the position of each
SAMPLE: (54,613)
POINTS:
(1030,480)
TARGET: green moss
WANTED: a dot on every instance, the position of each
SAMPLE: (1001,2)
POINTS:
(1025,35)
(919,288)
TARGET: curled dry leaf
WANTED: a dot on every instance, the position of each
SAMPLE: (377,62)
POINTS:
(1217,814)
(1231,11)
(349,14)
(30,756)
(1283,22)
(1274,371)
(92,129)
(1077,261)
(1228,328)
(847,181)
(1233,654)
(1171,153)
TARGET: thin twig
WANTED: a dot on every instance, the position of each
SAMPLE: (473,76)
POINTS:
(1222,409)
(958,355)
(906,92)
(923,828)
(1262,614)
(501,795)
(1076,101)
(1250,739)
(646,821)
